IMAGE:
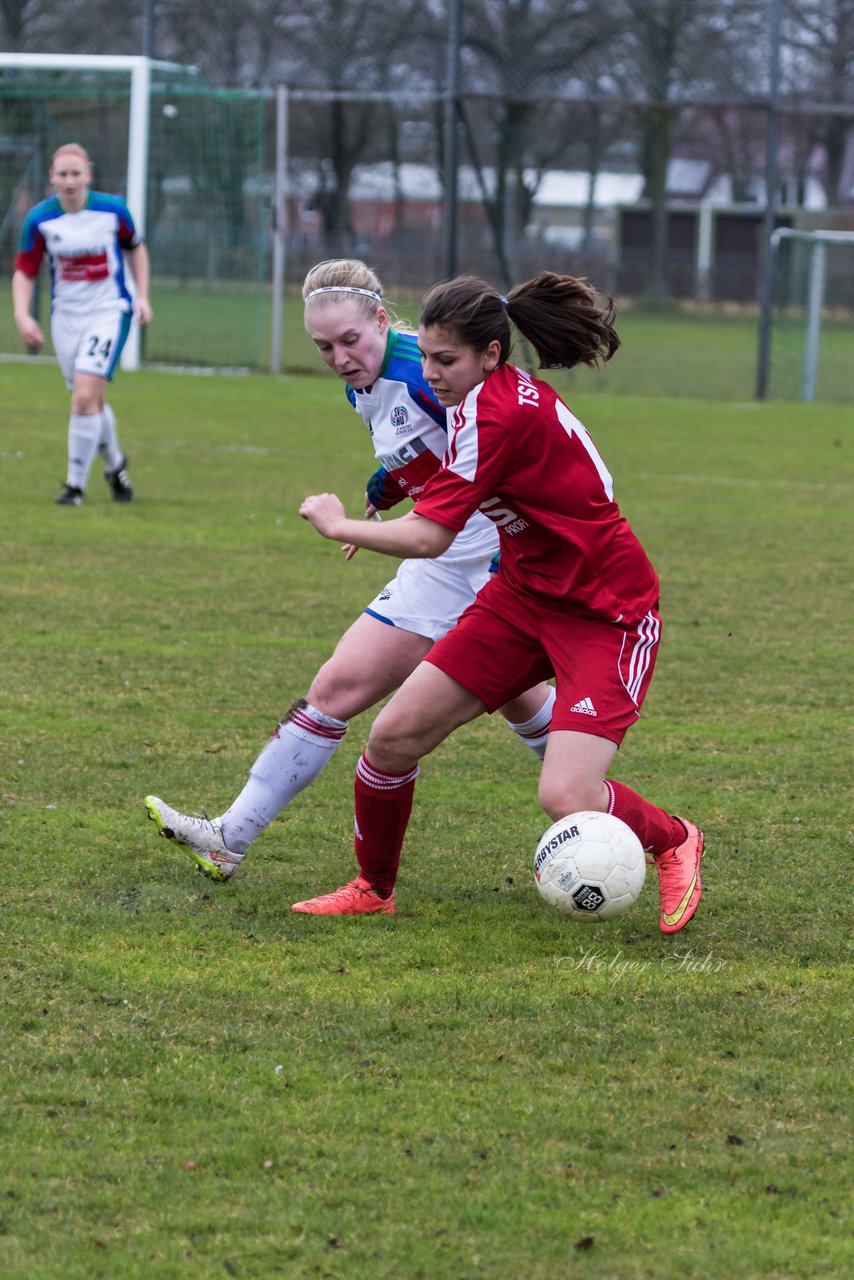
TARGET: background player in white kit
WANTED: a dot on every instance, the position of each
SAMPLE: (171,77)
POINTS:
(351,327)
(86,236)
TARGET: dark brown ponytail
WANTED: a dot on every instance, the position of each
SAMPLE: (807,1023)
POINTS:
(563,318)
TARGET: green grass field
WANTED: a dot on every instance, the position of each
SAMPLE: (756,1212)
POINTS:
(198,1083)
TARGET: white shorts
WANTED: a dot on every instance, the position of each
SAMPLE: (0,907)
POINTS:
(90,343)
(428,596)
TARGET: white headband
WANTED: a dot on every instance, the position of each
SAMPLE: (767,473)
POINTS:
(344,288)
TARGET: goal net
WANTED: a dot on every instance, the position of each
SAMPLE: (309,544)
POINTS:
(190,161)
(812,316)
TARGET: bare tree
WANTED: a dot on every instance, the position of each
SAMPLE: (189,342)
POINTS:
(820,39)
(234,43)
(346,48)
(19,18)
(518,51)
(670,52)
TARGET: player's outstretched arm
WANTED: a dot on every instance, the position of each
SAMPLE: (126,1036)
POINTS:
(409,537)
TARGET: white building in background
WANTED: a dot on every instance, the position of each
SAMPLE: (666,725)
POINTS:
(600,223)
(564,203)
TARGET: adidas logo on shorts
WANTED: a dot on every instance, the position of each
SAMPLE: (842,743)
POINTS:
(585,706)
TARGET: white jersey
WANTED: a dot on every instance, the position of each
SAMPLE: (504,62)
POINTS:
(409,432)
(85,251)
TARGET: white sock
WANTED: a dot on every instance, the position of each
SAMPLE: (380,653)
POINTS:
(535,732)
(84,431)
(108,442)
(297,753)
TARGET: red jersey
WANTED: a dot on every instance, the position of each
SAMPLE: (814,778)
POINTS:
(517,453)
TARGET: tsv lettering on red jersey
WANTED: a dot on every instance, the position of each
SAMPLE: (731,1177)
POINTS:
(527,392)
(510,521)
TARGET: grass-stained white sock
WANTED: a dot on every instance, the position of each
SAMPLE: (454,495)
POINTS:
(297,753)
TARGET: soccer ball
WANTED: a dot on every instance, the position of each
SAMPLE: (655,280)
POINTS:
(590,866)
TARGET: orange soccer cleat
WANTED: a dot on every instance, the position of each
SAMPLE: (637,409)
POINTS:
(679,879)
(357,898)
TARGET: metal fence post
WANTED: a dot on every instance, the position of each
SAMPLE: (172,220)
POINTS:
(280,230)
(451,131)
(772,169)
(818,266)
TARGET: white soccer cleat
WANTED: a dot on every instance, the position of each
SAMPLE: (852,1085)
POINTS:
(200,838)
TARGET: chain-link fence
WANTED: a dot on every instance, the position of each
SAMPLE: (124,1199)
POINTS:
(633,146)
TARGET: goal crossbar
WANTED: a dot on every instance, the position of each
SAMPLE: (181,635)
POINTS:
(813,237)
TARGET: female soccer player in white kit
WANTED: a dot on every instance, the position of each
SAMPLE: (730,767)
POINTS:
(351,328)
(575,596)
(86,236)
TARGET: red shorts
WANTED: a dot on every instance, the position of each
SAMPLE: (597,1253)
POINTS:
(503,645)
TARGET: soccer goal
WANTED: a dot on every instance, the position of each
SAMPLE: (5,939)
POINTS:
(190,161)
(813,314)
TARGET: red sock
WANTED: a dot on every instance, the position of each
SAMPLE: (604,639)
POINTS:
(383,806)
(655,829)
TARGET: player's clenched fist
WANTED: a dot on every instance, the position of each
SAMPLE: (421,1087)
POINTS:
(325,511)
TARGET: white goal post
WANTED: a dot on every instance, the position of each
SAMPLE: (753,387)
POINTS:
(817,243)
(139,70)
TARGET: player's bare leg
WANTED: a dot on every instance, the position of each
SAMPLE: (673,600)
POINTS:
(573,773)
(370,661)
(426,709)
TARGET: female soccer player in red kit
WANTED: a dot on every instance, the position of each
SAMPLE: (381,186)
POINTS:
(575,595)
